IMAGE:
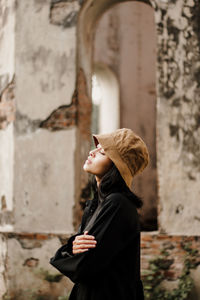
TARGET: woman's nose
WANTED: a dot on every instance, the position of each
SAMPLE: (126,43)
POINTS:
(92,153)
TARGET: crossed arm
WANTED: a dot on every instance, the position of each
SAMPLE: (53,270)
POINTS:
(107,237)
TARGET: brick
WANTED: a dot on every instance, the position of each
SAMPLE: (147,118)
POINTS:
(146,238)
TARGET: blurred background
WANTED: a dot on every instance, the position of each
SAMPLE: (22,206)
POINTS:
(70,68)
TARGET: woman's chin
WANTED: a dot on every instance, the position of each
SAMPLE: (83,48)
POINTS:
(86,168)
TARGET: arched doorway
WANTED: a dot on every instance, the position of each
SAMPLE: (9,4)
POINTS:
(89,18)
(122,37)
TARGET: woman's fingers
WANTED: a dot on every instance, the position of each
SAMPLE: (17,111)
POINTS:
(83,246)
(85,237)
(83,243)
(79,251)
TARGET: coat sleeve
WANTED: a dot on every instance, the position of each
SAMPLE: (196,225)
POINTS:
(115,227)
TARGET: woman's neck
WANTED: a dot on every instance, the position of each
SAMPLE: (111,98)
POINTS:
(98,180)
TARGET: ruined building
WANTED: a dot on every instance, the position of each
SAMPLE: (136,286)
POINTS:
(144,57)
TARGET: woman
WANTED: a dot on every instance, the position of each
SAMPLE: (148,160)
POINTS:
(103,258)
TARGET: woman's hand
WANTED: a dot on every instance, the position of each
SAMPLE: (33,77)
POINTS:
(83,242)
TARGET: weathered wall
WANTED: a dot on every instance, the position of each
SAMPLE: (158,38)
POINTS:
(178,111)
(7,42)
(45,81)
(7,51)
(46,161)
(7,38)
(48,56)
(31,258)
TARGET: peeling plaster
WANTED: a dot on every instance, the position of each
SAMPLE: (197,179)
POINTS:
(34,265)
(3,202)
(63,117)
(48,58)
(64,13)
(31,262)
(25,125)
(7,105)
(4,81)
(179,67)
(178,115)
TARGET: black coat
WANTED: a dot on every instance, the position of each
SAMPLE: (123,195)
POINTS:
(111,270)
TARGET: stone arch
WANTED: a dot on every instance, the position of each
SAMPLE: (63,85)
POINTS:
(90,13)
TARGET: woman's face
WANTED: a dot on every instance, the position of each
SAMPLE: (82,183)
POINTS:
(98,163)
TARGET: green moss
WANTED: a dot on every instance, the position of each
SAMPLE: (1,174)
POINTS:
(48,276)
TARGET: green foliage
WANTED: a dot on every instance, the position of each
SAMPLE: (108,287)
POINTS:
(52,277)
(48,276)
(154,276)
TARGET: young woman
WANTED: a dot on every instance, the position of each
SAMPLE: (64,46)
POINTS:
(103,258)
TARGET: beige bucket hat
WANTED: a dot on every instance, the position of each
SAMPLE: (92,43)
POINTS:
(127,150)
